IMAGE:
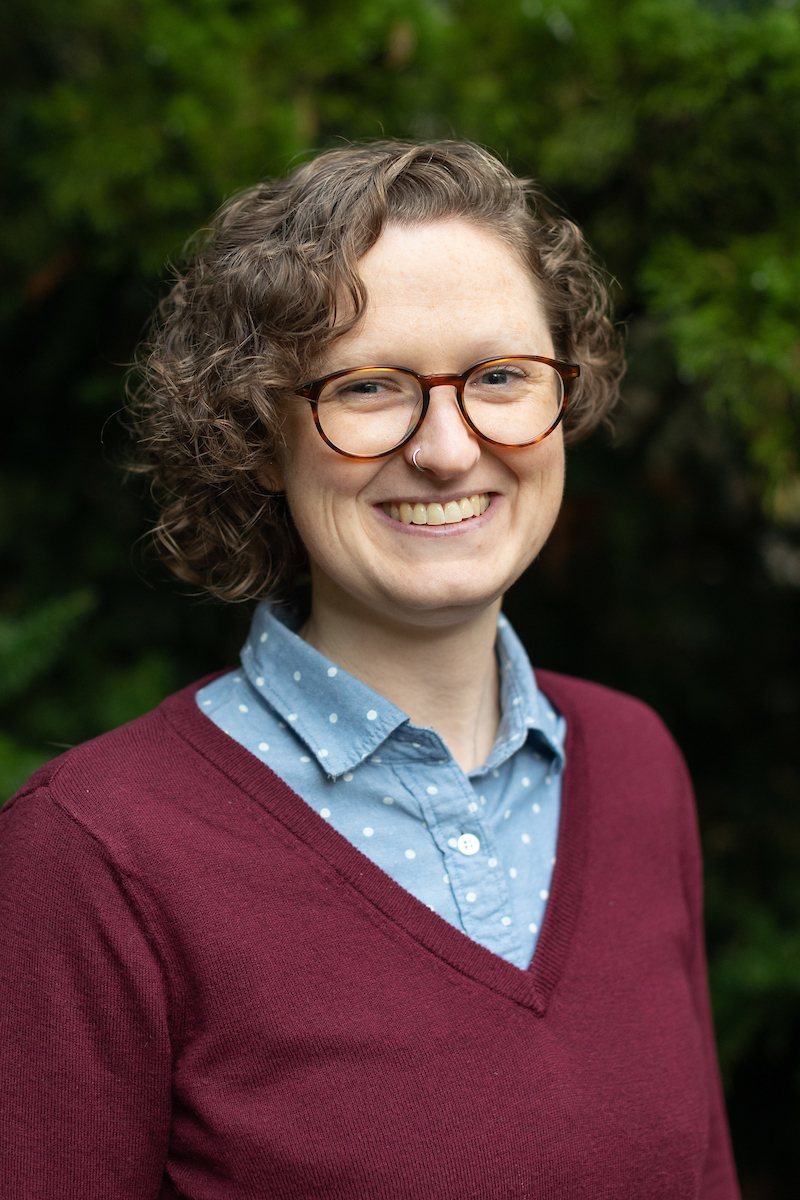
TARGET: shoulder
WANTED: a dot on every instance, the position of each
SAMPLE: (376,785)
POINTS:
(625,766)
(612,725)
(134,750)
(600,706)
(147,772)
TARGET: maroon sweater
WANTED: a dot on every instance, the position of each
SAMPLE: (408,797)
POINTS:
(207,992)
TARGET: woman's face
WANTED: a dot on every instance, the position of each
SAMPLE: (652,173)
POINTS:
(441,297)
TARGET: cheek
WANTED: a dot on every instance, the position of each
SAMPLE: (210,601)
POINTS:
(556,471)
(308,500)
(303,481)
(542,475)
(322,491)
(540,494)
(303,461)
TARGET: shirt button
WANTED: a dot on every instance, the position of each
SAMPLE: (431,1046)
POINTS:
(468,843)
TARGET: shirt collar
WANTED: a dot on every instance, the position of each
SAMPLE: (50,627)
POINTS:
(525,711)
(342,721)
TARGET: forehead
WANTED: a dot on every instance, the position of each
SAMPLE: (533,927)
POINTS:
(444,289)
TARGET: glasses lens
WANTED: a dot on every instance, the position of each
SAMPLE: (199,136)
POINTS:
(369,412)
(513,400)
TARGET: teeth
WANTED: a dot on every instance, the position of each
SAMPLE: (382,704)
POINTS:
(438,514)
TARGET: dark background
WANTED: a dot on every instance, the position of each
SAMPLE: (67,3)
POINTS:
(669,130)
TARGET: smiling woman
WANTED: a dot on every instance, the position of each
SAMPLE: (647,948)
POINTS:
(269,300)
(381,884)
(440,297)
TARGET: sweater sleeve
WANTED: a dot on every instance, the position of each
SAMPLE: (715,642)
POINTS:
(85,1054)
(719,1176)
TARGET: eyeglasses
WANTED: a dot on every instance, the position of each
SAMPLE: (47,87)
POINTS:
(373,411)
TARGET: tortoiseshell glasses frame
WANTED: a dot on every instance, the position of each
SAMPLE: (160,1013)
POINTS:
(568,373)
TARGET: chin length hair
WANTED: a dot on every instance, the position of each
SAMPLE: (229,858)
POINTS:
(254,306)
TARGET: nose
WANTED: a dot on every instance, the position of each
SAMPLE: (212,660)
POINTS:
(446,445)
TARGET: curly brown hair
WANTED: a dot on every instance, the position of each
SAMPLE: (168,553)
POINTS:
(255,306)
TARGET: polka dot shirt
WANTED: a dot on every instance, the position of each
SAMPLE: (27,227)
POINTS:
(477,849)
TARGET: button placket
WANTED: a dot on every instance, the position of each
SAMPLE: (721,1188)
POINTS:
(480,892)
(444,797)
(483,901)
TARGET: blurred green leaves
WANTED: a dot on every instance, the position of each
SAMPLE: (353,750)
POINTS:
(732,318)
(132,119)
(31,644)
(669,130)
(756,981)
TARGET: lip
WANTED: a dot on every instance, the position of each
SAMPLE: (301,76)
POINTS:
(458,527)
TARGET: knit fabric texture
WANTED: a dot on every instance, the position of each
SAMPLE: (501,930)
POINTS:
(207,992)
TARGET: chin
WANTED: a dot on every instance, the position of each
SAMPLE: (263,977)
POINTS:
(440,602)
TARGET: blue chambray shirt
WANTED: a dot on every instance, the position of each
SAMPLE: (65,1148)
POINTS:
(478,849)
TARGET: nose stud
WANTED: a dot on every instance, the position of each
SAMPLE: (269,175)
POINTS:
(414,460)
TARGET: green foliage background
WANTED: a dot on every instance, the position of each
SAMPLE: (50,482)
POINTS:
(669,130)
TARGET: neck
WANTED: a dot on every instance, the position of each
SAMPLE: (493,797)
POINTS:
(445,678)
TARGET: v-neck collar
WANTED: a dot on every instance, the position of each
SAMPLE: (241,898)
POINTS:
(531,988)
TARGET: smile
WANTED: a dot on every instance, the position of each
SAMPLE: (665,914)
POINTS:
(438,514)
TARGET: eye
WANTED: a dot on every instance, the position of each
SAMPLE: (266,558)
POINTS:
(497,376)
(360,388)
(363,387)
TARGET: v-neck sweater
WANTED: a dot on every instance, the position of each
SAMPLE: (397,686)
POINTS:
(207,992)
(477,848)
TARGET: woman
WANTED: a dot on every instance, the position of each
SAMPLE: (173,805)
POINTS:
(381,913)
